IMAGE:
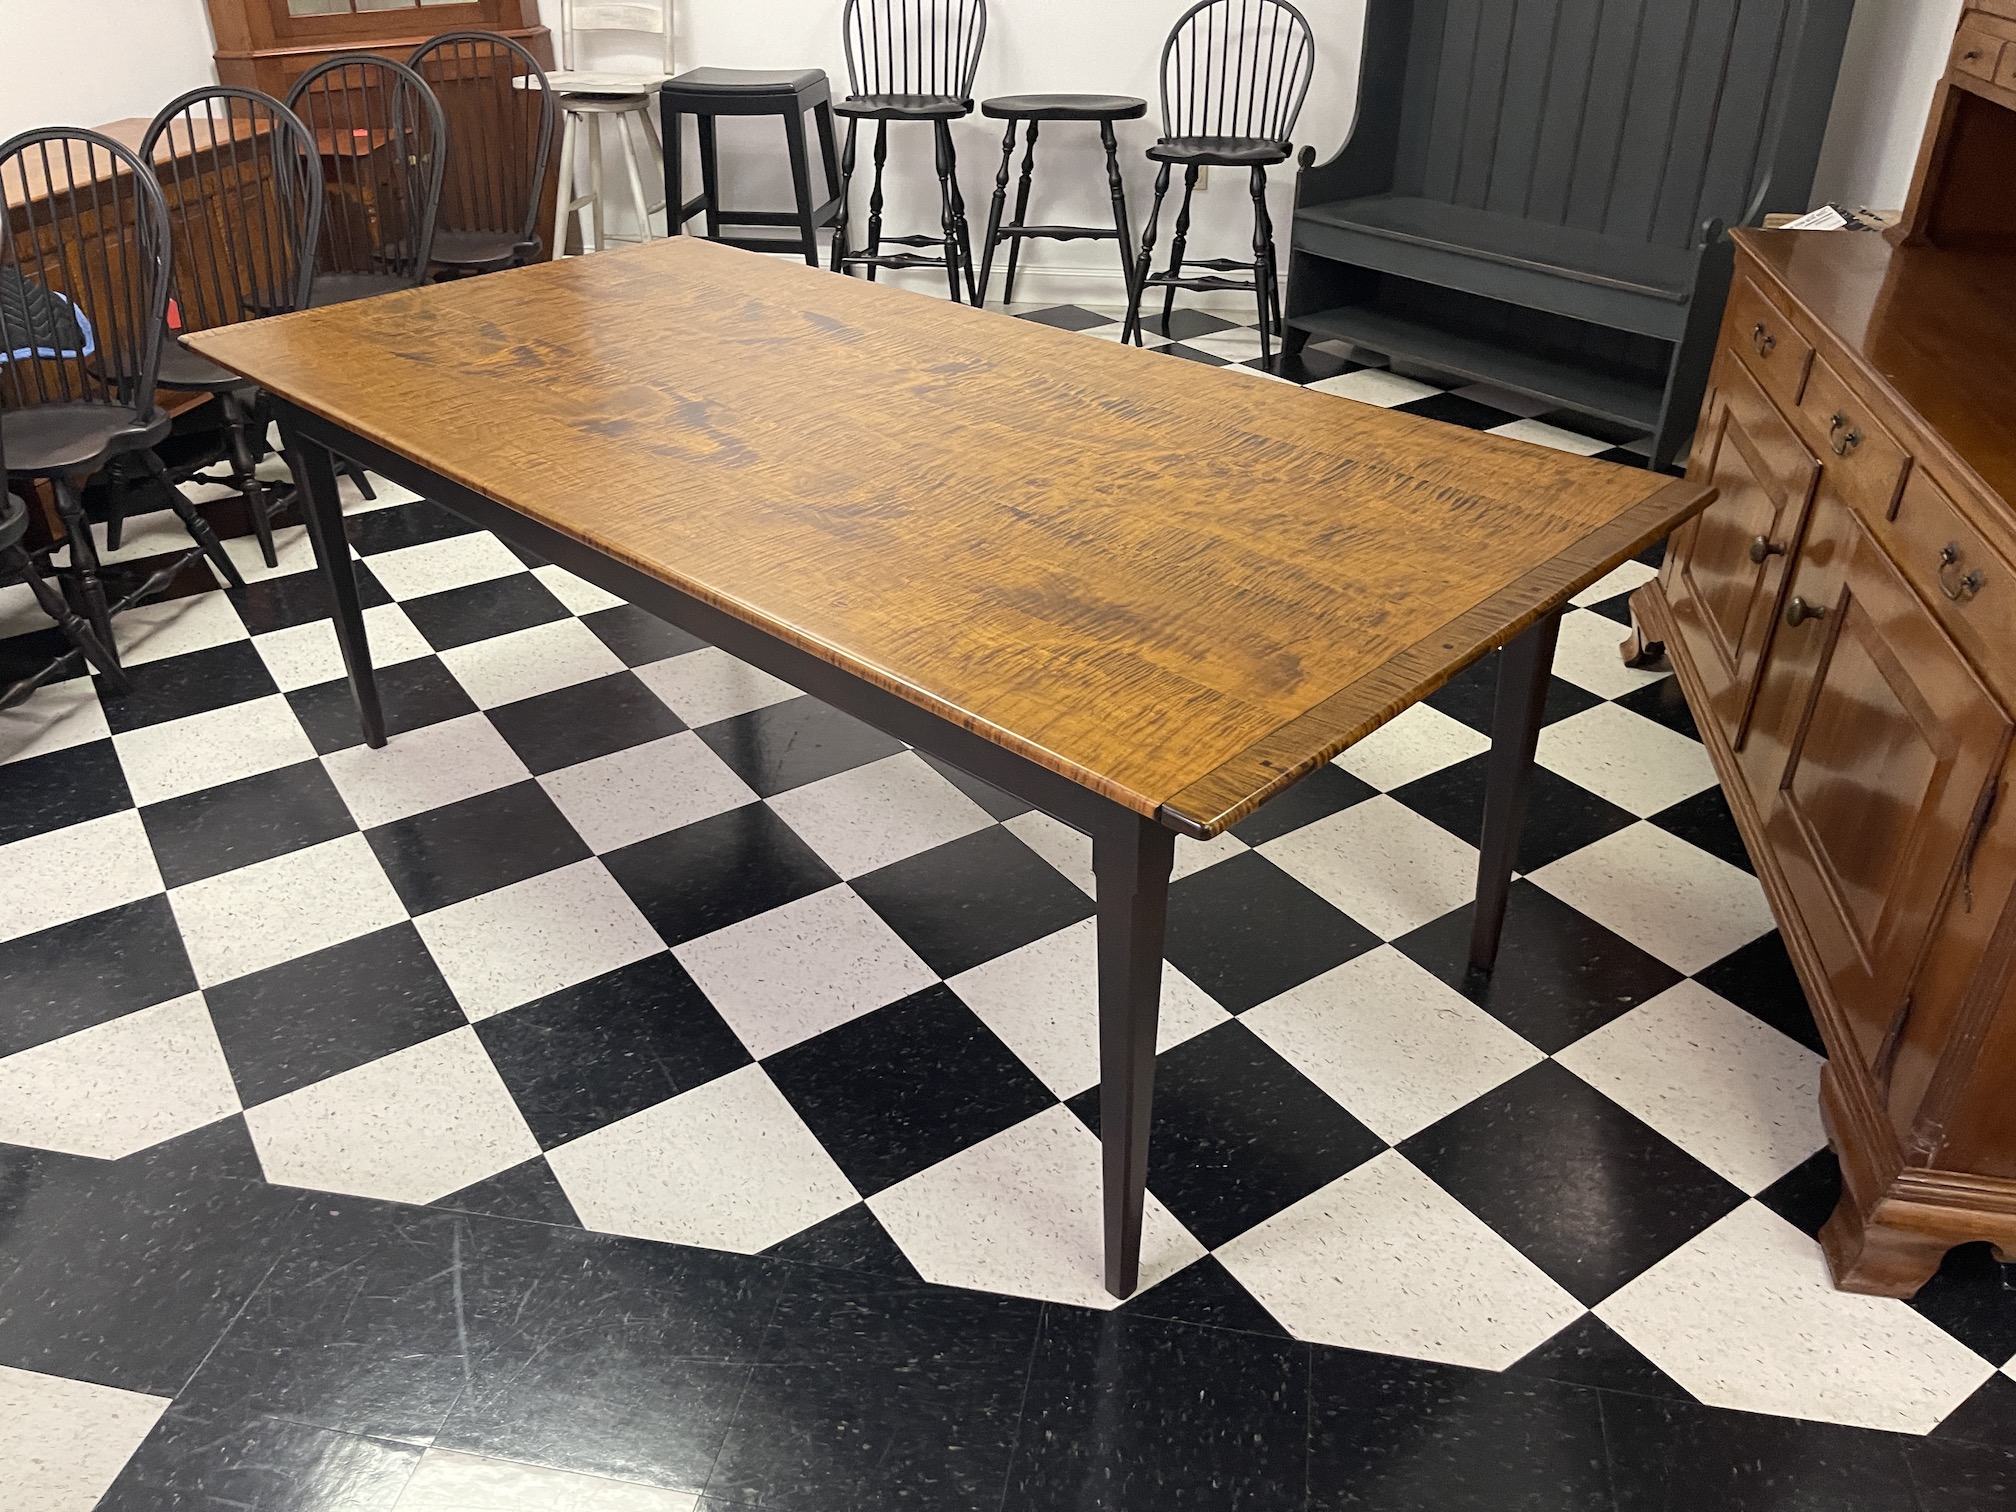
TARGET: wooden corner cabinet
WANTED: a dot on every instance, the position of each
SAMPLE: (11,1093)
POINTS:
(268,44)
(1842,621)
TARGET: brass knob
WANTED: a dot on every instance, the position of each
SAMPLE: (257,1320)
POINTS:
(1763,549)
(1799,611)
(1959,590)
(1842,444)
(1762,340)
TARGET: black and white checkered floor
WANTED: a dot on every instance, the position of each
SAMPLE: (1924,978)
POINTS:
(326,1075)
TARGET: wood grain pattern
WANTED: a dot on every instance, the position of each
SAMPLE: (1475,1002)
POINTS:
(1149,576)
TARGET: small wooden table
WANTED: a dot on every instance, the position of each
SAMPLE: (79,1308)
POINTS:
(1143,595)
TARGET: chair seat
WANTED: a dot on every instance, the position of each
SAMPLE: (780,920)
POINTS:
(745,81)
(65,438)
(587,84)
(13,520)
(185,370)
(904,107)
(342,288)
(1221,152)
(482,250)
(1064,107)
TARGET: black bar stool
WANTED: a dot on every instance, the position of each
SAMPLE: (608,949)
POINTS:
(706,93)
(1036,109)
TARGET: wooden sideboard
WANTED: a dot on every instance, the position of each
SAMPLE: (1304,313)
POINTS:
(1842,621)
(268,44)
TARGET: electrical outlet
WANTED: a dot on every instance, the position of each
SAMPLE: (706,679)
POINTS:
(1203,180)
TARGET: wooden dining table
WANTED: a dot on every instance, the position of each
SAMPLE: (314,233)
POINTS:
(1139,593)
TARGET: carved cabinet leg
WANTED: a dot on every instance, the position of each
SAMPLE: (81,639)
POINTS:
(1879,1259)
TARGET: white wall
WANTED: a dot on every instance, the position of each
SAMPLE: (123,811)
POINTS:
(86,61)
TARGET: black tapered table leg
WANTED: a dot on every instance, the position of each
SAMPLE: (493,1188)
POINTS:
(322,508)
(1524,667)
(1132,860)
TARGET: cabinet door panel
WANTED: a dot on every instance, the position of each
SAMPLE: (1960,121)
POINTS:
(1893,748)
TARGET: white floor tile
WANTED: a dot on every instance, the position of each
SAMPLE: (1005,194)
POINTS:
(411,1127)
(1720,1083)
(1241,345)
(706,686)
(423,769)
(876,815)
(802,969)
(389,495)
(1194,856)
(1043,1001)
(1637,764)
(63,1442)
(631,795)
(68,873)
(1744,1316)
(303,655)
(1539,433)
(20,614)
(1021,1213)
(155,533)
(1523,405)
(1417,742)
(1665,896)
(1384,1259)
(1065,848)
(436,566)
(579,595)
(1625,579)
(1149,340)
(1587,656)
(1375,386)
(1382,863)
(53,718)
(258,916)
(1395,1046)
(535,937)
(446,1481)
(292,552)
(173,627)
(178,756)
(665,1173)
(526,663)
(121,1086)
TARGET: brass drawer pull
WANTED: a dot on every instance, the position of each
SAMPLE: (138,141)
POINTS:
(1762,340)
(1965,588)
(1799,611)
(1842,444)
(1763,549)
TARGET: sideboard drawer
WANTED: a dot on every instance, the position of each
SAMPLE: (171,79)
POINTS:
(1977,52)
(1864,463)
(1969,586)
(1768,344)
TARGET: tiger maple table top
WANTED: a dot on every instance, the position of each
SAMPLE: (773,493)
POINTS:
(1180,587)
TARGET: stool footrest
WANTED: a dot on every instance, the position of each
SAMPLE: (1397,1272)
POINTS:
(1210,283)
(1061,233)
(890,260)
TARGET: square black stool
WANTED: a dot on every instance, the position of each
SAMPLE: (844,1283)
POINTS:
(706,93)
(1036,109)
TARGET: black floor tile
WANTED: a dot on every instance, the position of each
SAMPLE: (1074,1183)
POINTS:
(330,1011)
(1974,1299)
(1960,1477)
(298,598)
(1392,1435)
(414,694)
(220,1151)
(1616,609)
(478,611)
(1561,816)
(134,1275)
(997,803)
(253,819)
(792,743)
(1239,1134)
(1184,324)
(900,1089)
(1128,1413)
(1663,703)
(852,1240)
(60,789)
(637,637)
(1205,1293)
(1987,1417)
(1245,931)
(530,1193)
(1705,820)
(627,1359)
(475,846)
(1454,409)
(1308,366)
(1589,1352)
(1683,1457)
(1069,318)
(1327,790)
(1581,1187)
(1805,1196)
(375,1316)
(178,686)
(1560,974)
(601,1051)
(75,975)
(196,1458)
(28,655)
(401,525)
(694,880)
(579,723)
(1617,432)
(1759,978)
(1193,354)
(1471,697)
(977,898)
(873,1392)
